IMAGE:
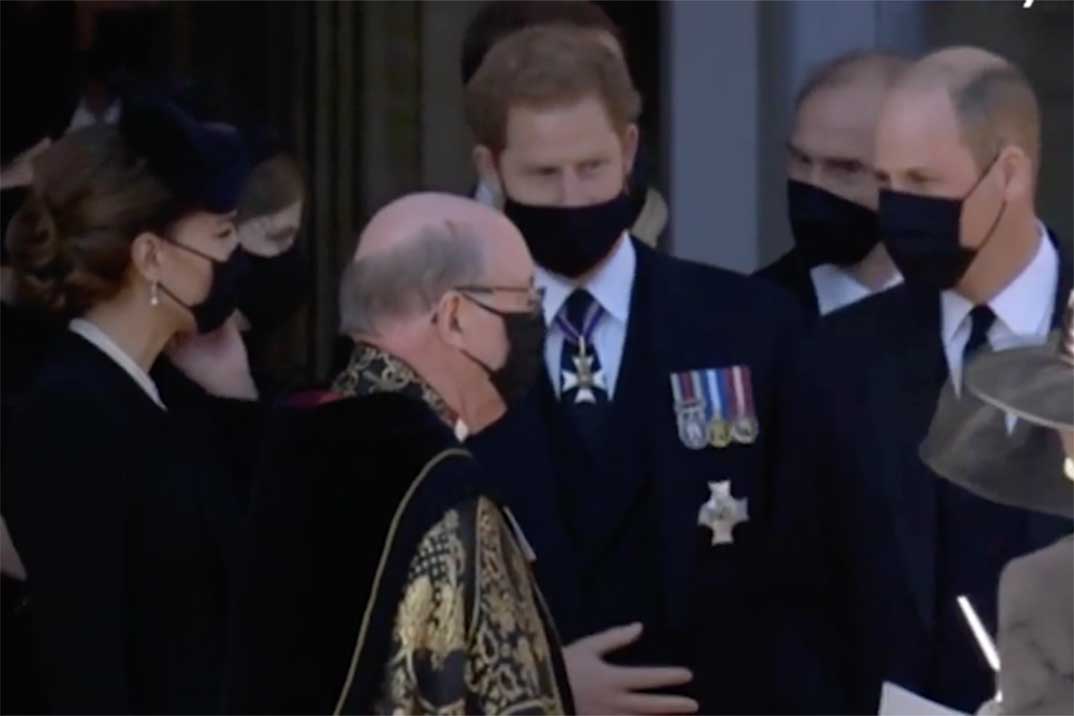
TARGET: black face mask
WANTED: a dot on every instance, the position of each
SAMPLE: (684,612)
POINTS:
(829,229)
(218,306)
(922,235)
(525,354)
(273,288)
(571,240)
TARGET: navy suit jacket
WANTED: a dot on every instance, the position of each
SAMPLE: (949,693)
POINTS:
(712,603)
(860,507)
(791,273)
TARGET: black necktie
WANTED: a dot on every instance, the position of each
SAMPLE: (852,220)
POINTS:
(583,389)
(981,319)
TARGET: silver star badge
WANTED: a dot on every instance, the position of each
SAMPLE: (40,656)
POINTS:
(585,379)
(722,512)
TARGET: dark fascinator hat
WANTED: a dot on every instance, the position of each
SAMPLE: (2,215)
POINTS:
(205,164)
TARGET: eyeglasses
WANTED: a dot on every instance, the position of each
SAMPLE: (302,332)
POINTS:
(535,293)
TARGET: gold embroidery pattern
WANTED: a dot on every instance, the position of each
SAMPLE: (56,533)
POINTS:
(372,370)
(367,613)
(454,654)
(510,669)
(430,634)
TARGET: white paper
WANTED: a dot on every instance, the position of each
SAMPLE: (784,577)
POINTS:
(897,701)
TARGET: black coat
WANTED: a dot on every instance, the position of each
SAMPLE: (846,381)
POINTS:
(863,511)
(791,273)
(643,556)
(124,521)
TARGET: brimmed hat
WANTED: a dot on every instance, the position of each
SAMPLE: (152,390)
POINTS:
(969,443)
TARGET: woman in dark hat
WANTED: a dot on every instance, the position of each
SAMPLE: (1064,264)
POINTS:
(119,511)
(1010,438)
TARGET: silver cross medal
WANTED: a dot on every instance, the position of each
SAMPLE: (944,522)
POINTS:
(585,379)
(722,512)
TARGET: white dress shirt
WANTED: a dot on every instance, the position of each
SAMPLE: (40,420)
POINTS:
(1023,310)
(106,345)
(611,287)
(836,287)
(84,118)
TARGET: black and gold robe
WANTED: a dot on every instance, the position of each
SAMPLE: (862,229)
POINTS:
(382,574)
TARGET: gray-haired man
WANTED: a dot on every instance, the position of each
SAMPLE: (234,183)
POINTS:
(377,552)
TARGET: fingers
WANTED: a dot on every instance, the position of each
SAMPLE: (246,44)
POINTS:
(610,639)
(651,704)
(644,678)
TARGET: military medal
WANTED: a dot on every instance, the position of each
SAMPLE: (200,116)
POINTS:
(721,399)
(719,428)
(583,379)
(692,430)
(689,411)
(744,427)
(719,433)
(744,430)
(722,512)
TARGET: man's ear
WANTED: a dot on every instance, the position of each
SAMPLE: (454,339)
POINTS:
(449,320)
(1018,172)
(147,257)
(485,165)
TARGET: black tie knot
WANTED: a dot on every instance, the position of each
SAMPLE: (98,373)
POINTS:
(579,304)
(981,320)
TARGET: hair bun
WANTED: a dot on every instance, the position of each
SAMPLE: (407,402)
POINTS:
(39,254)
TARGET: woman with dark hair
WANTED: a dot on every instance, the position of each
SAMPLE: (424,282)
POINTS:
(119,510)
(278,282)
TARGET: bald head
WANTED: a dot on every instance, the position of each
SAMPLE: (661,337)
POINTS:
(832,140)
(993,101)
(874,70)
(419,247)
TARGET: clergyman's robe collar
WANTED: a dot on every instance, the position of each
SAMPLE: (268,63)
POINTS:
(373,370)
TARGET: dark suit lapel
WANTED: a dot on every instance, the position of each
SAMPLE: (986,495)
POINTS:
(809,291)
(655,341)
(631,407)
(804,287)
(540,473)
(904,391)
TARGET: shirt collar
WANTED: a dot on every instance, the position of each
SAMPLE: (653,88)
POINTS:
(610,286)
(103,342)
(836,287)
(1024,306)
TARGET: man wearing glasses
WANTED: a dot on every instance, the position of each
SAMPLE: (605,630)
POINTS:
(377,551)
